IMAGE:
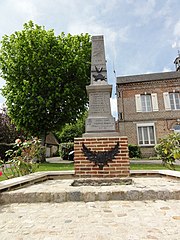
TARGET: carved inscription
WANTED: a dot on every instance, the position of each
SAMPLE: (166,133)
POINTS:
(99,103)
(100,124)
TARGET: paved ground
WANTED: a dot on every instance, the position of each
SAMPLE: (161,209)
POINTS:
(64,216)
(111,220)
(92,220)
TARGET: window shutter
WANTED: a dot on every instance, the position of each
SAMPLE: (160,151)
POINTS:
(154,102)
(166,101)
(138,103)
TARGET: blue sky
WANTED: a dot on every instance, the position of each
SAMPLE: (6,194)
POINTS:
(141,36)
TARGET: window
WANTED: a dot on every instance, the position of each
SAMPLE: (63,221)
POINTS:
(146,102)
(172,100)
(146,134)
(176,128)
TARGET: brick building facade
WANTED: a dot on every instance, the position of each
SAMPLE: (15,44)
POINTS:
(149,107)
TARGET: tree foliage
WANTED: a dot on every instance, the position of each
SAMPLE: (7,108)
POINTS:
(8,131)
(72,130)
(45,77)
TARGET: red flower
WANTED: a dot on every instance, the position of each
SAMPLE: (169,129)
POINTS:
(0,173)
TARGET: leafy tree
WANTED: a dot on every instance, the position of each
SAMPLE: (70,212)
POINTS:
(72,130)
(45,77)
(8,132)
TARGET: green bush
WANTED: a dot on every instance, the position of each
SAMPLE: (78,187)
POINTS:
(22,159)
(168,149)
(71,131)
(3,148)
(134,151)
(65,149)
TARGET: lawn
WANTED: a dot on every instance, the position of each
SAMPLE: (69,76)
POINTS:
(70,166)
(55,167)
(140,166)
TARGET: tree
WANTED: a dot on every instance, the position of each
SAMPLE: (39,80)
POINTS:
(45,78)
(72,130)
(8,131)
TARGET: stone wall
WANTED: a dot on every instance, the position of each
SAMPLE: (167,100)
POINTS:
(119,167)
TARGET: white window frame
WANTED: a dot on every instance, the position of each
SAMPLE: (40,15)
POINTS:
(176,128)
(146,102)
(167,102)
(174,100)
(154,131)
(154,102)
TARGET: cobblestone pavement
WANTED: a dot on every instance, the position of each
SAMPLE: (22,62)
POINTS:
(110,220)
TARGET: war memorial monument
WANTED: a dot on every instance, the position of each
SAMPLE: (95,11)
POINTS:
(101,152)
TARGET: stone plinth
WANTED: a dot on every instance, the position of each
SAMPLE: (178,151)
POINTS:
(100,121)
(118,167)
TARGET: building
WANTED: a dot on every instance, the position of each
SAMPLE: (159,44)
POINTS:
(149,107)
(52,145)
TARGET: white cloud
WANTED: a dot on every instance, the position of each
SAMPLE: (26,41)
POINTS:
(166,69)
(177,29)
(25,8)
(143,9)
(176,44)
(134,50)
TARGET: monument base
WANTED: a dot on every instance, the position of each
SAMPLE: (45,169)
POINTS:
(100,134)
(116,166)
(101,182)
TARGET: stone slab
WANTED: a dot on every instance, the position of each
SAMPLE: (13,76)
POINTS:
(143,188)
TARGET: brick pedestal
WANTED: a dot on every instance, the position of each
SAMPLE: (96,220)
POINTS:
(119,167)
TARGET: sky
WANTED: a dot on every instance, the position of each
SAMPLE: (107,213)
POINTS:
(141,36)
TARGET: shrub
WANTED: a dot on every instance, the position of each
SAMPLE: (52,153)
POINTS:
(3,148)
(65,149)
(168,149)
(23,158)
(71,131)
(134,151)
(8,131)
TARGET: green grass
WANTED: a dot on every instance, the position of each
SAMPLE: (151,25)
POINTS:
(55,167)
(70,166)
(139,166)
(2,178)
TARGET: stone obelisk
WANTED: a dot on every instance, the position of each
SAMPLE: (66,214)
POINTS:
(99,122)
(93,152)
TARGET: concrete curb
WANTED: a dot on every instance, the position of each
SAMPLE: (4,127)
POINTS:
(86,194)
